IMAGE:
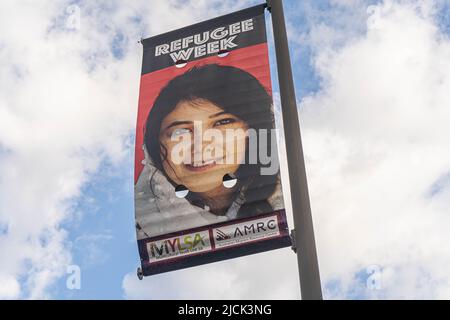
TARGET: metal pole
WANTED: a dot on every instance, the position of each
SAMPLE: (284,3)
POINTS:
(304,233)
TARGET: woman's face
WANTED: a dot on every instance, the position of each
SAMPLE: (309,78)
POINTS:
(205,155)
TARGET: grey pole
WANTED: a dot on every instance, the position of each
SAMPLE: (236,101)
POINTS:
(304,233)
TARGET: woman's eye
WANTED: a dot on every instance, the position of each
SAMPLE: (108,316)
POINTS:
(179,132)
(225,121)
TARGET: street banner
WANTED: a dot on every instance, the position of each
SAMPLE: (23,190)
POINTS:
(207,176)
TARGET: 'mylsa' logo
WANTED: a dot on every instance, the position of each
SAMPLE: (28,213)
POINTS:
(173,246)
(221,235)
(254,228)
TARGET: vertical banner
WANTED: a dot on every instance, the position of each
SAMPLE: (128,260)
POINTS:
(207,182)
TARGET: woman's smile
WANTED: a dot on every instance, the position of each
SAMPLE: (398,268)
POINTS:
(201,166)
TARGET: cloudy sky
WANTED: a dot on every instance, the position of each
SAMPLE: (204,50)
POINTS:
(372,81)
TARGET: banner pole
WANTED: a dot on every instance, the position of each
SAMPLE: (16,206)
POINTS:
(304,232)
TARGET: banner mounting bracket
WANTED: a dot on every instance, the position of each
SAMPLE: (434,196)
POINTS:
(139,273)
(269,5)
(294,244)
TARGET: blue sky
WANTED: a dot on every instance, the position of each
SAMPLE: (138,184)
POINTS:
(327,38)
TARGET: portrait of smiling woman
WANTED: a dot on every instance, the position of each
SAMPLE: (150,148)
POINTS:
(208,98)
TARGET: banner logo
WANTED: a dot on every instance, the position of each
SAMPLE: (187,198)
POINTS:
(181,245)
(221,235)
(249,231)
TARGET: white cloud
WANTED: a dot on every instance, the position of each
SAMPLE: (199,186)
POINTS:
(269,275)
(10,287)
(376,143)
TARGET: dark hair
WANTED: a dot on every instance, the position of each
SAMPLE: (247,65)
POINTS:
(238,93)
